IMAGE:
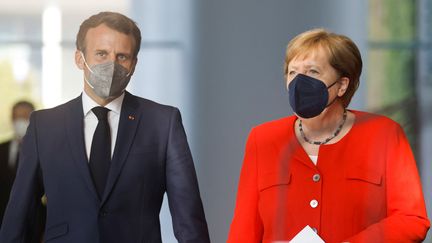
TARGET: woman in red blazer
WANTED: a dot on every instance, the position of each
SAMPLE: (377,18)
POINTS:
(349,175)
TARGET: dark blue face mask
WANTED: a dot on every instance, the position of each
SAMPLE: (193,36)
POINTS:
(308,96)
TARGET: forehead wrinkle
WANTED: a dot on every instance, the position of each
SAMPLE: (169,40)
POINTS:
(304,63)
(312,56)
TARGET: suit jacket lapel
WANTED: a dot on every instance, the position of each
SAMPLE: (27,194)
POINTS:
(75,135)
(129,119)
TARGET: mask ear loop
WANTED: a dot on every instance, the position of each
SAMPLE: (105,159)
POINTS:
(333,84)
(129,73)
(336,95)
(85,62)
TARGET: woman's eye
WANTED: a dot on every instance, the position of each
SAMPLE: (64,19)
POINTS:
(291,72)
(313,71)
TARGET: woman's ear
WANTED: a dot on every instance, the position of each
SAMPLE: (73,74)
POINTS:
(79,61)
(344,82)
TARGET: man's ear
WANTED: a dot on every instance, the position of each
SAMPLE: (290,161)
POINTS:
(344,82)
(79,61)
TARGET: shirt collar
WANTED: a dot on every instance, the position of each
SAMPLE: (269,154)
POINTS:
(114,106)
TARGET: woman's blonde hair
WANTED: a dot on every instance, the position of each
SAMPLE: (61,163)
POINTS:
(343,55)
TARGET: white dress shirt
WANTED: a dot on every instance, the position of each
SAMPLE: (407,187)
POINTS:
(314,158)
(13,153)
(91,121)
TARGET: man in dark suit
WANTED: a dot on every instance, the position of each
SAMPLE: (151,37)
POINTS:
(105,159)
(9,150)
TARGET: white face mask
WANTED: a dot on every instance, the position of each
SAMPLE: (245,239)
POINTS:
(20,127)
(108,80)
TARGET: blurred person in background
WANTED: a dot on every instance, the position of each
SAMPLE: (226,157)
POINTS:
(9,150)
(105,159)
(349,175)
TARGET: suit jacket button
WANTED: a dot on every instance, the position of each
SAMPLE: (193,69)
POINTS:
(316,177)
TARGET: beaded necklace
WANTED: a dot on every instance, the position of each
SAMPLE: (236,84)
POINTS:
(327,139)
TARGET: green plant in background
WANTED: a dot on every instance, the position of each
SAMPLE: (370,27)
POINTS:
(391,78)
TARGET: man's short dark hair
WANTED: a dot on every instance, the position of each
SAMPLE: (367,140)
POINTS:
(113,20)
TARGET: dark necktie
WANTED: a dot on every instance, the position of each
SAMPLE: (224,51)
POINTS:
(100,153)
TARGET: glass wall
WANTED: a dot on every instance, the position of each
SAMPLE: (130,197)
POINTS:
(20,64)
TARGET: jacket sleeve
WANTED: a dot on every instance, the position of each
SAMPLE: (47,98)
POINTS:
(24,207)
(246,225)
(184,199)
(407,220)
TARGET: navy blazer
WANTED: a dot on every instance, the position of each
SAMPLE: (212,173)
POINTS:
(7,175)
(151,157)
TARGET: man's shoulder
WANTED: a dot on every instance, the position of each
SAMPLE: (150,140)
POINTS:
(147,105)
(58,112)
(130,100)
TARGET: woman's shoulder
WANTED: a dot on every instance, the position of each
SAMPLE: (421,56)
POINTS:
(275,129)
(371,121)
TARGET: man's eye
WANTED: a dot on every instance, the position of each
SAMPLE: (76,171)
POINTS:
(100,54)
(123,57)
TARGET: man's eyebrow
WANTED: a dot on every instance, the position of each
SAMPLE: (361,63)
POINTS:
(100,50)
